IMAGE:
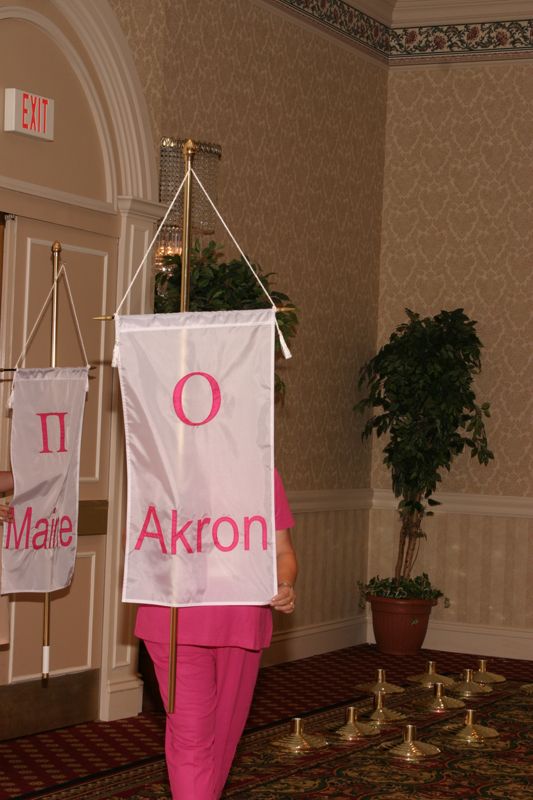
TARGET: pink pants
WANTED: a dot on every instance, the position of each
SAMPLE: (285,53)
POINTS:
(214,688)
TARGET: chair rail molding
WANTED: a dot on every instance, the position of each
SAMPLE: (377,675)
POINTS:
(312,501)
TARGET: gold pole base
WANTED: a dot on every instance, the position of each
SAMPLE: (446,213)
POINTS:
(381,685)
(299,742)
(384,716)
(440,702)
(468,688)
(482,676)
(429,678)
(352,730)
(411,749)
(472,733)
(381,715)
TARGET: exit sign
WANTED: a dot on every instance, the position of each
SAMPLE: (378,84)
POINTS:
(28,113)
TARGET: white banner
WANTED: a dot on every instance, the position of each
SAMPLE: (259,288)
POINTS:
(39,543)
(198,399)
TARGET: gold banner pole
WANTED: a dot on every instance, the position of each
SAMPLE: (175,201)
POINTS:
(189,149)
(56,250)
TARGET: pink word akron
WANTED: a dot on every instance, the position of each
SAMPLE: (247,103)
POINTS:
(191,536)
(48,533)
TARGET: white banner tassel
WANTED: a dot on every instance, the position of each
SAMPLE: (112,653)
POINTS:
(283,344)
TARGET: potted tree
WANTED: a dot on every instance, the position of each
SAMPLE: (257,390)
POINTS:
(419,390)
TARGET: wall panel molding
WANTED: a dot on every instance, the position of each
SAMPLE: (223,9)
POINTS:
(310,640)
(85,654)
(307,502)
(486,505)
(477,640)
(313,501)
(57,195)
(28,708)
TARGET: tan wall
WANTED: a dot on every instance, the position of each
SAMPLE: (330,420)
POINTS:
(300,118)
(33,174)
(73,161)
(458,232)
(332,547)
(318,142)
(482,563)
(92,189)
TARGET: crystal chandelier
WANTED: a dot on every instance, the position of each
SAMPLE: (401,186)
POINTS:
(171,174)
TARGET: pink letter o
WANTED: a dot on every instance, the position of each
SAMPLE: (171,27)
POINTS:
(177,398)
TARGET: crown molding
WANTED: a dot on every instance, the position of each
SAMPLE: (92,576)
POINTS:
(382,10)
(484,505)
(422,43)
(313,501)
(413,13)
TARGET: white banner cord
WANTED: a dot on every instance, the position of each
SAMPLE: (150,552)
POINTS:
(76,320)
(285,350)
(37,321)
(283,343)
(156,234)
(62,270)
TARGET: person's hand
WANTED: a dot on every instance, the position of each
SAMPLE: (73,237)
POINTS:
(284,600)
(6,512)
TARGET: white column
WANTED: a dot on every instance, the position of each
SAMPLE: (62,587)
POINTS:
(120,686)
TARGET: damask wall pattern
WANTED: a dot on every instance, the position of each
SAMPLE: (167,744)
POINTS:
(301,121)
(458,232)
(369,189)
(482,564)
(144,25)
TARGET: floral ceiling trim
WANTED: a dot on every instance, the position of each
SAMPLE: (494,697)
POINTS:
(470,40)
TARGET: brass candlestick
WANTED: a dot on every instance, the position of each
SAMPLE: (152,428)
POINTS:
(482,676)
(468,687)
(431,677)
(440,702)
(352,730)
(472,733)
(381,715)
(381,685)
(297,741)
(411,749)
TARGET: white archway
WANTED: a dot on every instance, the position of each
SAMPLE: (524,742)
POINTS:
(90,37)
(105,43)
(135,199)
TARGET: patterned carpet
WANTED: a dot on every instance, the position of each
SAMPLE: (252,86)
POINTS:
(500,769)
(100,761)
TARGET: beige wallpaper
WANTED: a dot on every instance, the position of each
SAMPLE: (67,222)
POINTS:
(332,549)
(458,231)
(301,121)
(482,564)
(144,25)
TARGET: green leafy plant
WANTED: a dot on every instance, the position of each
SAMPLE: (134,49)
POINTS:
(420,395)
(216,285)
(399,589)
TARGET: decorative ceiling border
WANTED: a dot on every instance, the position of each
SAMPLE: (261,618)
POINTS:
(465,41)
